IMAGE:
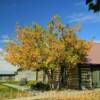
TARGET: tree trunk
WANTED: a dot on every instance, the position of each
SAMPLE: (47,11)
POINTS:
(49,73)
(57,78)
(36,75)
(44,76)
(54,78)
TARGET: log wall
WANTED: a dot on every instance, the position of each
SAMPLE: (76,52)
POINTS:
(73,78)
(85,77)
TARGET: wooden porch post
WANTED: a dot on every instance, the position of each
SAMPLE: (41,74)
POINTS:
(36,75)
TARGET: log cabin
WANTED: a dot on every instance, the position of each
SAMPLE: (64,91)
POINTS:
(87,75)
(84,76)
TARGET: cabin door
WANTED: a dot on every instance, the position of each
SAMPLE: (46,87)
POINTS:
(96,77)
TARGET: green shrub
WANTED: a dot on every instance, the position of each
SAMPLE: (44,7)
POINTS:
(38,85)
(23,81)
(41,86)
(30,84)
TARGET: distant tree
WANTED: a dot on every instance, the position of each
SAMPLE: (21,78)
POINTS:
(93,5)
(1,53)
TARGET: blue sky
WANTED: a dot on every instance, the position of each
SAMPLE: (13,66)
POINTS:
(27,11)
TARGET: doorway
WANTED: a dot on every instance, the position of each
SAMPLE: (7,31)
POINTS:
(96,76)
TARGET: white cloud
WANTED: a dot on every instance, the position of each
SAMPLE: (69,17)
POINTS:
(1,49)
(84,17)
(2,53)
(80,3)
(4,39)
(5,36)
(96,41)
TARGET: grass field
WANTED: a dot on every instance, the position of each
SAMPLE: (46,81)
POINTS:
(8,92)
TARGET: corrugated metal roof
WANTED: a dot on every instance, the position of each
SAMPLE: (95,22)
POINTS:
(7,68)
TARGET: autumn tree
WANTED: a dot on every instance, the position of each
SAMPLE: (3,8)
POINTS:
(74,49)
(50,50)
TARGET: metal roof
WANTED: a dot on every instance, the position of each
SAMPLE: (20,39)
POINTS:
(7,68)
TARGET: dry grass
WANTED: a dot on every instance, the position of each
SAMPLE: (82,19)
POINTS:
(82,96)
(65,95)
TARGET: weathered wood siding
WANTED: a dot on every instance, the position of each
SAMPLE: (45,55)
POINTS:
(73,78)
(85,77)
(57,75)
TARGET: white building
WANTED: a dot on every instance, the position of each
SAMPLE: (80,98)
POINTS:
(7,70)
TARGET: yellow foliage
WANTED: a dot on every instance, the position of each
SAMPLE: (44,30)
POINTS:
(37,48)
